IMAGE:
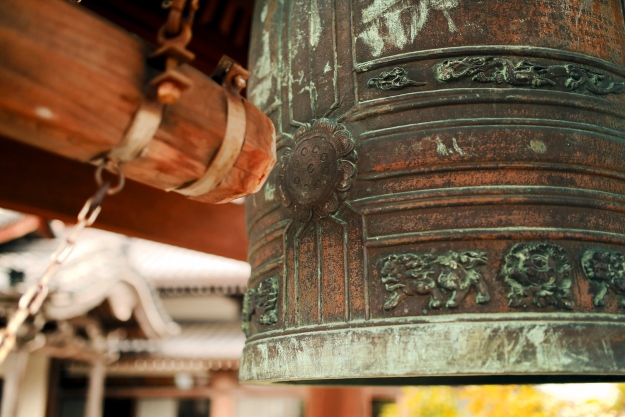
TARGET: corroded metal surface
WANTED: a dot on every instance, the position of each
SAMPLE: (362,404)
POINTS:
(449,197)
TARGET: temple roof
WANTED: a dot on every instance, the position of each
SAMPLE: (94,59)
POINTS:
(171,268)
(197,348)
(118,279)
(195,341)
(97,275)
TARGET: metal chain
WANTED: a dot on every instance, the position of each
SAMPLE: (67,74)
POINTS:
(173,38)
(31,301)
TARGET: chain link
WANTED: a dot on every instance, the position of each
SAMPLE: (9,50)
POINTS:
(31,301)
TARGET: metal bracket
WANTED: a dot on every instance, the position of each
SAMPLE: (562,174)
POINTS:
(233,77)
(142,128)
(230,74)
(228,151)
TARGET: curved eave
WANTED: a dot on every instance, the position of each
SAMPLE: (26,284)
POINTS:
(127,296)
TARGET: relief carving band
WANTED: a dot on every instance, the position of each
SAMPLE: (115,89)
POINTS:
(317,171)
(260,301)
(540,272)
(415,274)
(524,73)
(394,79)
(605,269)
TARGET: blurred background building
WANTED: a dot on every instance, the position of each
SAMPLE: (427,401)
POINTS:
(146,329)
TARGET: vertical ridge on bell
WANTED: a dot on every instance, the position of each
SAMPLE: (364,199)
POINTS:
(320,264)
(354,257)
(323,60)
(299,80)
(296,273)
(346,268)
(307,297)
(365,270)
(333,271)
(285,275)
(290,275)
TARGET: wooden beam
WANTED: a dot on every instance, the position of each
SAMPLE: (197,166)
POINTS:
(53,402)
(222,400)
(73,82)
(13,380)
(95,390)
(40,183)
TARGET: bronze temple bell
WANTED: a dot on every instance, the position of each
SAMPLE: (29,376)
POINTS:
(448,204)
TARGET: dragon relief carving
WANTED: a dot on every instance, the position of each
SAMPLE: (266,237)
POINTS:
(524,73)
(415,274)
(394,79)
(540,272)
(261,301)
(605,269)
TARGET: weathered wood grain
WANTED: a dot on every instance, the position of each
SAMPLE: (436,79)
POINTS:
(38,182)
(70,83)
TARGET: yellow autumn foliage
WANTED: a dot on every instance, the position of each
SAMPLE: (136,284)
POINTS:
(424,402)
(494,401)
(508,401)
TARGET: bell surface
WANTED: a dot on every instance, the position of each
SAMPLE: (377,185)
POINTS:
(448,203)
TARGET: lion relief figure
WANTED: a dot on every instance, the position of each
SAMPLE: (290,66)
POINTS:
(260,301)
(606,270)
(540,272)
(415,274)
